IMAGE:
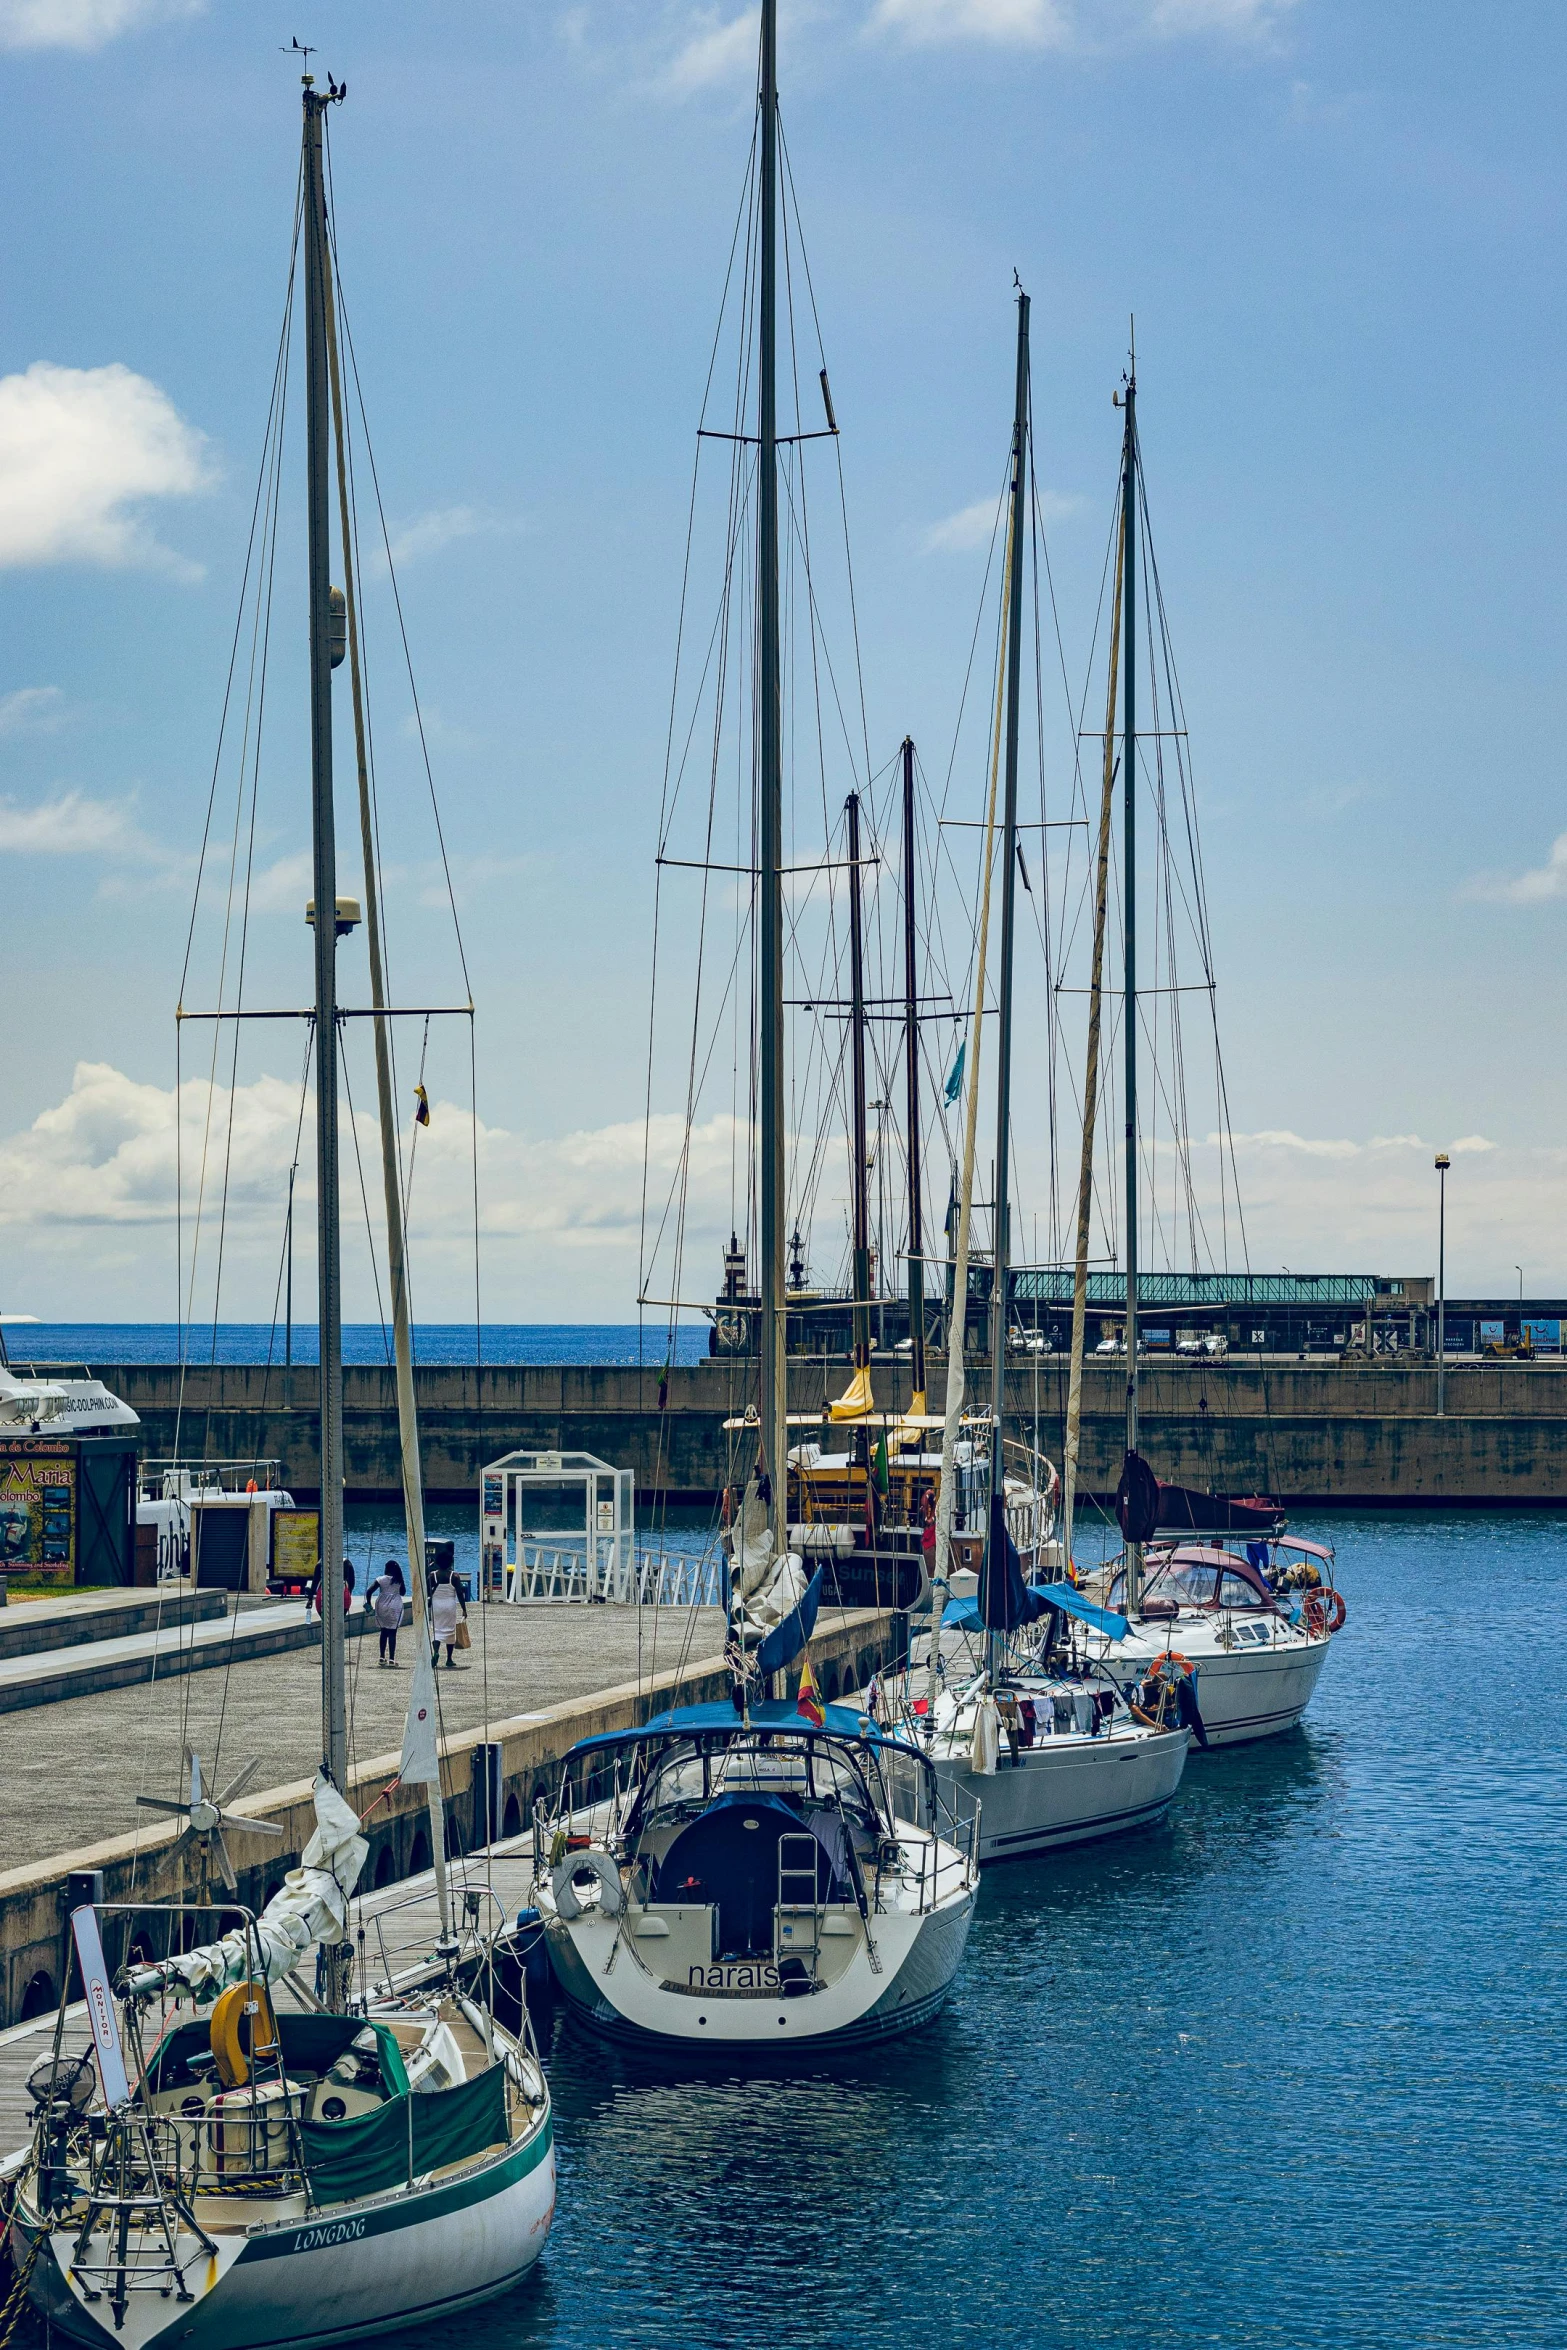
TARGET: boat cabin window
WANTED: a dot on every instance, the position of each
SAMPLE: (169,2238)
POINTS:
(1238,1591)
(1190,1584)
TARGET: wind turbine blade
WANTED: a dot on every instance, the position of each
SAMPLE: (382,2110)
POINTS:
(243,1779)
(239,1819)
(160,1803)
(195,1776)
(224,1862)
(191,1836)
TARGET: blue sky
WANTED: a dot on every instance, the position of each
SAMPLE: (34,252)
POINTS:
(1340,231)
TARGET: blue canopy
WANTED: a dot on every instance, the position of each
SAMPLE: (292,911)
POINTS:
(784,1643)
(772,1714)
(963,1615)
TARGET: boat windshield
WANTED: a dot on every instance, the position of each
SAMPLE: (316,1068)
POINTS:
(684,1779)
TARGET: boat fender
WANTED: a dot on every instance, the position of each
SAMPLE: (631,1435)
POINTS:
(1326,1612)
(570,1901)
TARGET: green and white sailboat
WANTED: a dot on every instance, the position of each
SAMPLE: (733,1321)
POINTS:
(240,2162)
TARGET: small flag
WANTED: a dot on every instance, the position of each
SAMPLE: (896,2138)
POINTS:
(955,1081)
(879,1463)
(421,1106)
(1023,869)
(809,1701)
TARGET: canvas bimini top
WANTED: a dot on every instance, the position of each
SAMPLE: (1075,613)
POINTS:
(774,1716)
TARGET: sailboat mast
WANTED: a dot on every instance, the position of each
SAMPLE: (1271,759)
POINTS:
(334,1708)
(859,1144)
(774,1327)
(396,1247)
(1085,1176)
(911,1019)
(998,1311)
(1134,1553)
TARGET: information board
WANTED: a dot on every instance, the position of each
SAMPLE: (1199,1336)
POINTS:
(296,1543)
(38,1510)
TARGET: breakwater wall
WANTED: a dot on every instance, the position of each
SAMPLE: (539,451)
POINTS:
(1306,1432)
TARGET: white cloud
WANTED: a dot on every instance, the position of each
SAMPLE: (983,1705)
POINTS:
(972,526)
(720,55)
(1527,889)
(32,709)
(428,533)
(82,24)
(73,825)
(82,449)
(1072,24)
(1036,24)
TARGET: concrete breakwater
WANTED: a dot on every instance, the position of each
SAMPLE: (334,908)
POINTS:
(491,1776)
(1306,1432)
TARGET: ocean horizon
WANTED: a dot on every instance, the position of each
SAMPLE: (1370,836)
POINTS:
(109,1343)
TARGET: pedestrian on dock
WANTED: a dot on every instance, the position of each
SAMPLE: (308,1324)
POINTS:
(386,1598)
(348,1589)
(448,1617)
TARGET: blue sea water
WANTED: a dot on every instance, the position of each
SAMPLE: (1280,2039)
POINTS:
(1285,2073)
(98,1343)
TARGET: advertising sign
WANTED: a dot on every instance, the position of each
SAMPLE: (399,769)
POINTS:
(296,1543)
(1492,1333)
(1547,1335)
(38,1511)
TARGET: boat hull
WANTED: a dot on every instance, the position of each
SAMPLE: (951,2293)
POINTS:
(343,2274)
(1071,1791)
(919,1958)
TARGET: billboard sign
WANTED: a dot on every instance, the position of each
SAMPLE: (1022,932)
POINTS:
(38,1511)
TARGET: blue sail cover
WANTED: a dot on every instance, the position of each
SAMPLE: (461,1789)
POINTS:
(1005,1600)
(962,1615)
(784,1643)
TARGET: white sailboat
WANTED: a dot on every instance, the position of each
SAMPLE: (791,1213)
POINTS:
(1048,1744)
(242,2162)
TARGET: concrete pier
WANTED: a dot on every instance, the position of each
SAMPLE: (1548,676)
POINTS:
(1303,1431)
(535,1681)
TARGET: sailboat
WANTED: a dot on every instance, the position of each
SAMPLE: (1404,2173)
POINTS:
(241,2161)
(1242,1636)
(1055,1752)
(758,1874)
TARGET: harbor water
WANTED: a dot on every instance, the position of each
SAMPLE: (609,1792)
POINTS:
(1287,2071)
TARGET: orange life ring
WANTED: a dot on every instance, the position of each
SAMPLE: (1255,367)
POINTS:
(1173,1656)
(1326,1612)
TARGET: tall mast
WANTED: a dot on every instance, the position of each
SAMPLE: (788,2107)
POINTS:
(1134,1551)
(396,1248)
(334,1709)
(911,1019)
(775,1383)
(859,1143)
(998,1310)
(1085,1177)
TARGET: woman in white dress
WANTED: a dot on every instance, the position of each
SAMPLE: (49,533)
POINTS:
(447,1609)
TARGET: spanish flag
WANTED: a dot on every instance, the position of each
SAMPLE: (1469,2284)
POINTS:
(421,1106)
(809,1701)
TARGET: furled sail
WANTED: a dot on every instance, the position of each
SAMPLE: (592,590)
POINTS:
(1144,1507)
(311,1907)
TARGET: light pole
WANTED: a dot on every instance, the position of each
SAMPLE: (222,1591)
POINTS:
(1443,1162)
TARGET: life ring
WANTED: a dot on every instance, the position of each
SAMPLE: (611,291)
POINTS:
(1173,1656)
(242,2026)
(569,1903)
(1326,1611)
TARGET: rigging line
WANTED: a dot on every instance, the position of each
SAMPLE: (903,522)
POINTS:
(364,1196)
(279,387)
(402,629)
(288,1238)
(228,915)
(413,1147)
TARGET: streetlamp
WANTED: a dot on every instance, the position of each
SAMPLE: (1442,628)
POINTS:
(1443,1162)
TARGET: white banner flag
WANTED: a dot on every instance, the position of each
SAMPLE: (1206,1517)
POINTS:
(421,1763)
(100,2008)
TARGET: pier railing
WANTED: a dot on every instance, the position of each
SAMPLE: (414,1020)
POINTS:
(564,1574)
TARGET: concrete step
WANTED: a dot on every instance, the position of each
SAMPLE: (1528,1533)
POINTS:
(193,1647)
(30,1626)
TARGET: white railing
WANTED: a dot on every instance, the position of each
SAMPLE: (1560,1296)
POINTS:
(561,1574)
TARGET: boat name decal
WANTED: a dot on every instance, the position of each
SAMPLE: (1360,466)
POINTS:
(335,2231)
(751,1975)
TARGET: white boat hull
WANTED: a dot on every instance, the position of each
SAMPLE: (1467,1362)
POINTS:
(1070,1791)
(1242,1693)
(742,2005)
(340,2274)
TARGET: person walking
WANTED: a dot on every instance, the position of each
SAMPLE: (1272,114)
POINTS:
(348,1588)
(386,1597)
(447,1608)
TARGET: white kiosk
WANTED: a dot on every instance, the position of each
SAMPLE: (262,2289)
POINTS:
(522,1560)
